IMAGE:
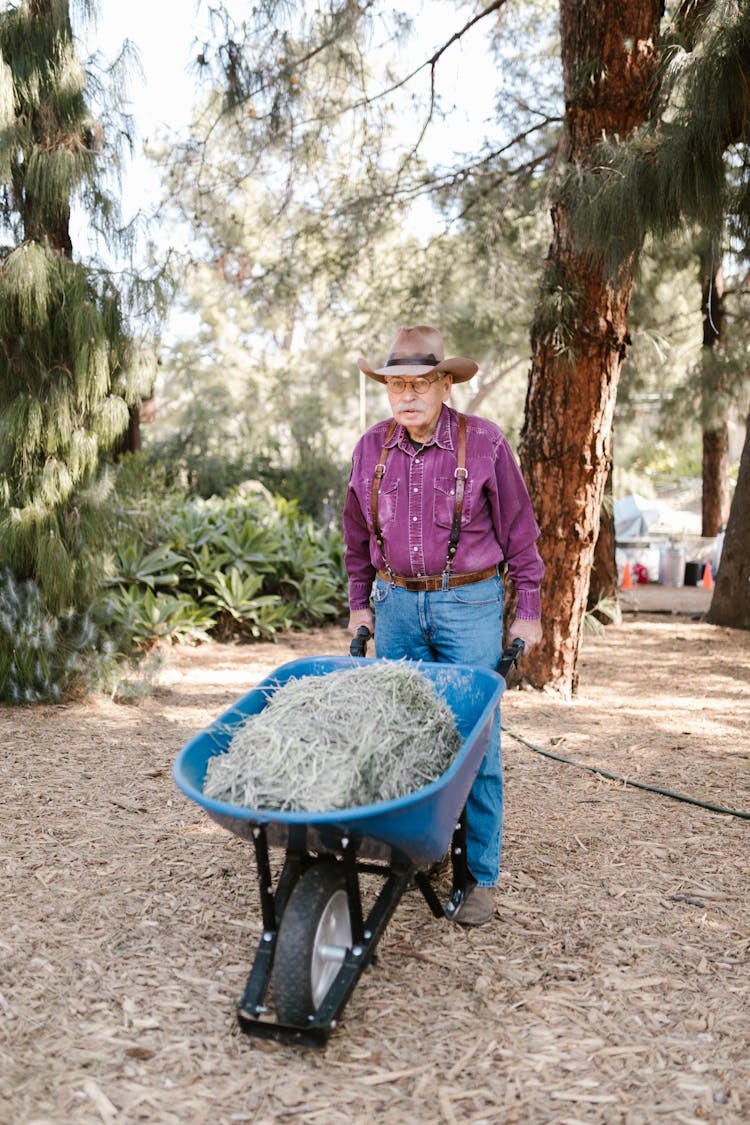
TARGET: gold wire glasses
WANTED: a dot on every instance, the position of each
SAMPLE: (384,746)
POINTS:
(420,385)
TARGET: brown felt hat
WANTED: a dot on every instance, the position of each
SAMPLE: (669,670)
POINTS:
(419,351)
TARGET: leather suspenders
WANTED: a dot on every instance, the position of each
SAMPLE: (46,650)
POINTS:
(377,477)
(460,475)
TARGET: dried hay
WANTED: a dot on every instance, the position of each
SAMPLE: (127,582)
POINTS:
(350,738)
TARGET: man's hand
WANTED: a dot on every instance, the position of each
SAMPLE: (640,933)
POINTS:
(359,617)
(530,632)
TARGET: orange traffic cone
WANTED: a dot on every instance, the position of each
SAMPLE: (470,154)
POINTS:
(627,578)
(707,582)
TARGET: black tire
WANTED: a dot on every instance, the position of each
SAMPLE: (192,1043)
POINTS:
(314,934)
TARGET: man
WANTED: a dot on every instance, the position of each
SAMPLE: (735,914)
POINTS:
(436,508)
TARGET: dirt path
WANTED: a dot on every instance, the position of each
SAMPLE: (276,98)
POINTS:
(612,988)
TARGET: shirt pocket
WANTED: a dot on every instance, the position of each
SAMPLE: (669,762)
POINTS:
(387,503)
(445,502)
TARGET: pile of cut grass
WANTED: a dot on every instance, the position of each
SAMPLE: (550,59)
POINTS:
(352,737)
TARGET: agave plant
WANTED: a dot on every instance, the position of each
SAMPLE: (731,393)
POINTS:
(150,616)
(318,597)
(250,546)
(159,567)
(244,608)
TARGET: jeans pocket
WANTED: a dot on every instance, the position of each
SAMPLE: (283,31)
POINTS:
(489,592)
(381,591)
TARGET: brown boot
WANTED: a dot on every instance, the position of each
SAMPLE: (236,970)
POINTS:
(478,907)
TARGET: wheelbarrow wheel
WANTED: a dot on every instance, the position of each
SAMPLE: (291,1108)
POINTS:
(314,935)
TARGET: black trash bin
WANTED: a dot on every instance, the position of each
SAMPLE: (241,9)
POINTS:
(693,572)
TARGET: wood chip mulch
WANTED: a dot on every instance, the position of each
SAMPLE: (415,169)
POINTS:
(612,988)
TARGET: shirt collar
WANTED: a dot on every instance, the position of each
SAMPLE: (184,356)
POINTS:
(443,435)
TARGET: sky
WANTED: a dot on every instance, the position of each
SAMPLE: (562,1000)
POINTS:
(160,98)
(164,33)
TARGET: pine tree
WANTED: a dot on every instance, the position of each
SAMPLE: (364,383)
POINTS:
(715,427)
(68,368)
(580,332)
(689,166)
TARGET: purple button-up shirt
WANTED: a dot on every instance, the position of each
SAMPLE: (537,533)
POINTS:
(415,510)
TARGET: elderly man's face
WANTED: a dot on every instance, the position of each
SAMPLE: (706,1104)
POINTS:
(420,413)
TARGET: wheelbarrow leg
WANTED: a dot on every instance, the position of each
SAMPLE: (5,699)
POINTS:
(463,880)
(252,1001)
(354,897)
(422,879)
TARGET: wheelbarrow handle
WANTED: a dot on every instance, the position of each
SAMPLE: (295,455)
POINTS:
(510,657)
(358,647)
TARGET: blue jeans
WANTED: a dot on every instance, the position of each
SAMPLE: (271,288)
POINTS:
(460,626)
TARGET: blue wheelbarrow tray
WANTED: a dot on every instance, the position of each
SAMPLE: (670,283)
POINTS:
(416,828)
(319,933)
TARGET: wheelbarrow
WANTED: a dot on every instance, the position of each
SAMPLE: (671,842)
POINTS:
(320,932)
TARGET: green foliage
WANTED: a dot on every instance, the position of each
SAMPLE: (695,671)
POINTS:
(245,610)
(316,596)
(146,616)
(133,563)
(247,566)
(555,317)
(60,410)
(207,447)
(605,611)
(691,163)
(45,656)
(316,482)
(69,367)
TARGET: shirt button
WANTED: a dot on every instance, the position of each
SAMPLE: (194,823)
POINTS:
(416,549)
(453,492)
(414,519)
(416,490)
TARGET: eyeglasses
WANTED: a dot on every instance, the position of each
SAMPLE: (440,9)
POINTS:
(420,385)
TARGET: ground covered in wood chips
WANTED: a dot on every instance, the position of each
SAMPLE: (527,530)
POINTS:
(612,986)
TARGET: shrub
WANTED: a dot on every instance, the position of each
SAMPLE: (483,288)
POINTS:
(44,656)
(248,565)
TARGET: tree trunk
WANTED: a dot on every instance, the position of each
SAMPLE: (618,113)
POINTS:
(603,587)
(715,495)
(42,222)
(579,336)
(130,442)
(730,604)
(715,490)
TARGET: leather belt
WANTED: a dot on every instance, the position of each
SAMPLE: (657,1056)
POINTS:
(435,581)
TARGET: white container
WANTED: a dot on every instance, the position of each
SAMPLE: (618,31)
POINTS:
(673,569)
(650,559)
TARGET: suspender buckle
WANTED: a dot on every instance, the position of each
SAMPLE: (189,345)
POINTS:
(461,473)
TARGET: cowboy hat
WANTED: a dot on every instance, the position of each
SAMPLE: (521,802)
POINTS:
(419,351)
